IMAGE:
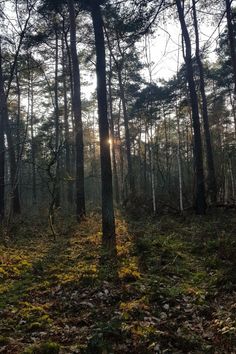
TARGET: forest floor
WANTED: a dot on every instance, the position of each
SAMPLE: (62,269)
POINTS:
(173,289)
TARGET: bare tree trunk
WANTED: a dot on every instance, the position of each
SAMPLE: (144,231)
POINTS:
(16,209)
(181,206)
(66,124)
(226,185)
(231,98)
(211,180)
(116,182)
(33,152)
(15,202)
(152,174)
(18,114)
(80,192)
(57,124)
(2,143)
(121,158)
(200,202)
(231,37)
(108,220)
(145,159)
(127,134)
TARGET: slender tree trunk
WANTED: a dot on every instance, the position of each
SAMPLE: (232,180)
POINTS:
(16,209)
(66,124)
(140,158)
(181,206)
(232,179)
(121,157)
(15,202)
(231,37)
(167,174)
(57,126)
(145,159)
(226,185)
(2,143)
(18,114)
(80,192)
(211,180)
(116,182)
(127,134)
(152,173)
(72,147)
(200,202)
(108,220)
(33,152)
(231,98)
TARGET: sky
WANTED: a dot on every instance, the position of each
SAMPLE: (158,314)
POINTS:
(164,46)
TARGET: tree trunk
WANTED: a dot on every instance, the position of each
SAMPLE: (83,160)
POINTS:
(66,124)
(2,143)
(152,167)
(127,134)
(15,202)
(180,175)
(18,115)
(108,220)
(57,126)
(200,202)
(211,180)
(33,152)
(231,38)
(68,52)
(16,209)
(232,179)
(80,192)
(116,182)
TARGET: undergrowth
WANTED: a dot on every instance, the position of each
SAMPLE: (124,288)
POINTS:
(172,289)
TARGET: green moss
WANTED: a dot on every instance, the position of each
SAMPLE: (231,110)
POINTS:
(43,348)
(177,267)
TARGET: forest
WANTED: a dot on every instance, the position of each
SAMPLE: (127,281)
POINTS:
(117,176)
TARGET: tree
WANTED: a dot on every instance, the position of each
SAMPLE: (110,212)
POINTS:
(231,38)
(200,203)
(2,143)
(108,221)
(211,180)
(80,197)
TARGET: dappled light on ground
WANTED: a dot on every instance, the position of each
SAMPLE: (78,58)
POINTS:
(174,289)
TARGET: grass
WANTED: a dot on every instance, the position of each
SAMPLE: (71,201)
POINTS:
(173,291)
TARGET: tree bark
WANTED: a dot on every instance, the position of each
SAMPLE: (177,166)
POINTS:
(231,38)
(33,152)
(66,125)
(2,143)
(200,202)
(57,125)
(180,175)
(15,202)
(127,134)
(211,180)
(108,220)
(116,182)
(80,191)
